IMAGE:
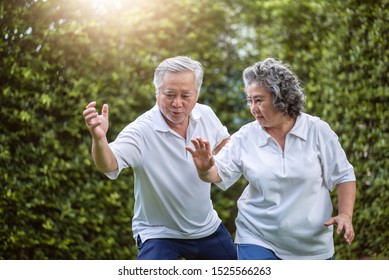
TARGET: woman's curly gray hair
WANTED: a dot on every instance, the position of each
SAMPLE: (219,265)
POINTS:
(279,80)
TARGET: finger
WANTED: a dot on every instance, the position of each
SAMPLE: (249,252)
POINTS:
(89,111)
(347,237)
(330,222)
(195,143)
(105,111)
(201,142)
(90,117)
(207,146)
(350,238)
(190,150)
(349,234)
(91,104)
(340,228)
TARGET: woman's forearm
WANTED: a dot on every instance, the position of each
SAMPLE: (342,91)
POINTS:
(346,197)
(210,176)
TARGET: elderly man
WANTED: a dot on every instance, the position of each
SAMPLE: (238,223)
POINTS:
(173,217)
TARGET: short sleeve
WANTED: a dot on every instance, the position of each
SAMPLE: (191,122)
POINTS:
(127,149)
(336,167)
(221,132)
(228,164)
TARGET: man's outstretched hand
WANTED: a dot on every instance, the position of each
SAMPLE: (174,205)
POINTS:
(97,124)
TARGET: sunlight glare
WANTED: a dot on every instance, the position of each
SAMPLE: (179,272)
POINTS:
(102,7)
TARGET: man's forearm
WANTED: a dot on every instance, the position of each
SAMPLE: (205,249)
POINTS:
(103,156)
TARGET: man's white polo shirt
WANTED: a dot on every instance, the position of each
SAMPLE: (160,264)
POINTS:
(171,201)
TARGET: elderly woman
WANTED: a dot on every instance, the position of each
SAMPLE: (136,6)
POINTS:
(292,162)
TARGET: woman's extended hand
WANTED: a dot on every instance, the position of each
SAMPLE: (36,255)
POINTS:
(202,155)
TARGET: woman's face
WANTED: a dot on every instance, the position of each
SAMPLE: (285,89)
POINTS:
(260,102)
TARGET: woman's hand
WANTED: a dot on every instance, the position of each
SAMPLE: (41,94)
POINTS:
(203,160)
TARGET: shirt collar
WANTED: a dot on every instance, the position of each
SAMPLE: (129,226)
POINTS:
(300,129)
(263,135)
(159,122)
(195,115)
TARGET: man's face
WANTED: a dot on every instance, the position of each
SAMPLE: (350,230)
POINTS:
(177,97)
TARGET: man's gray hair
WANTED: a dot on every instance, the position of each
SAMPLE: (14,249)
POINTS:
(179,64)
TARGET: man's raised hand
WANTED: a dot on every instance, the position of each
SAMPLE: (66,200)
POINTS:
(97,124)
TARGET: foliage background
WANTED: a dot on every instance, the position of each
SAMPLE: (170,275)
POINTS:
(57,56)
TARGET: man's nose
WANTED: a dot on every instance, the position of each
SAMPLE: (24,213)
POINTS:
(177,102)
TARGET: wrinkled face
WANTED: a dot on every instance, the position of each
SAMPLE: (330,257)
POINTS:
(177,97)
(260,102)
